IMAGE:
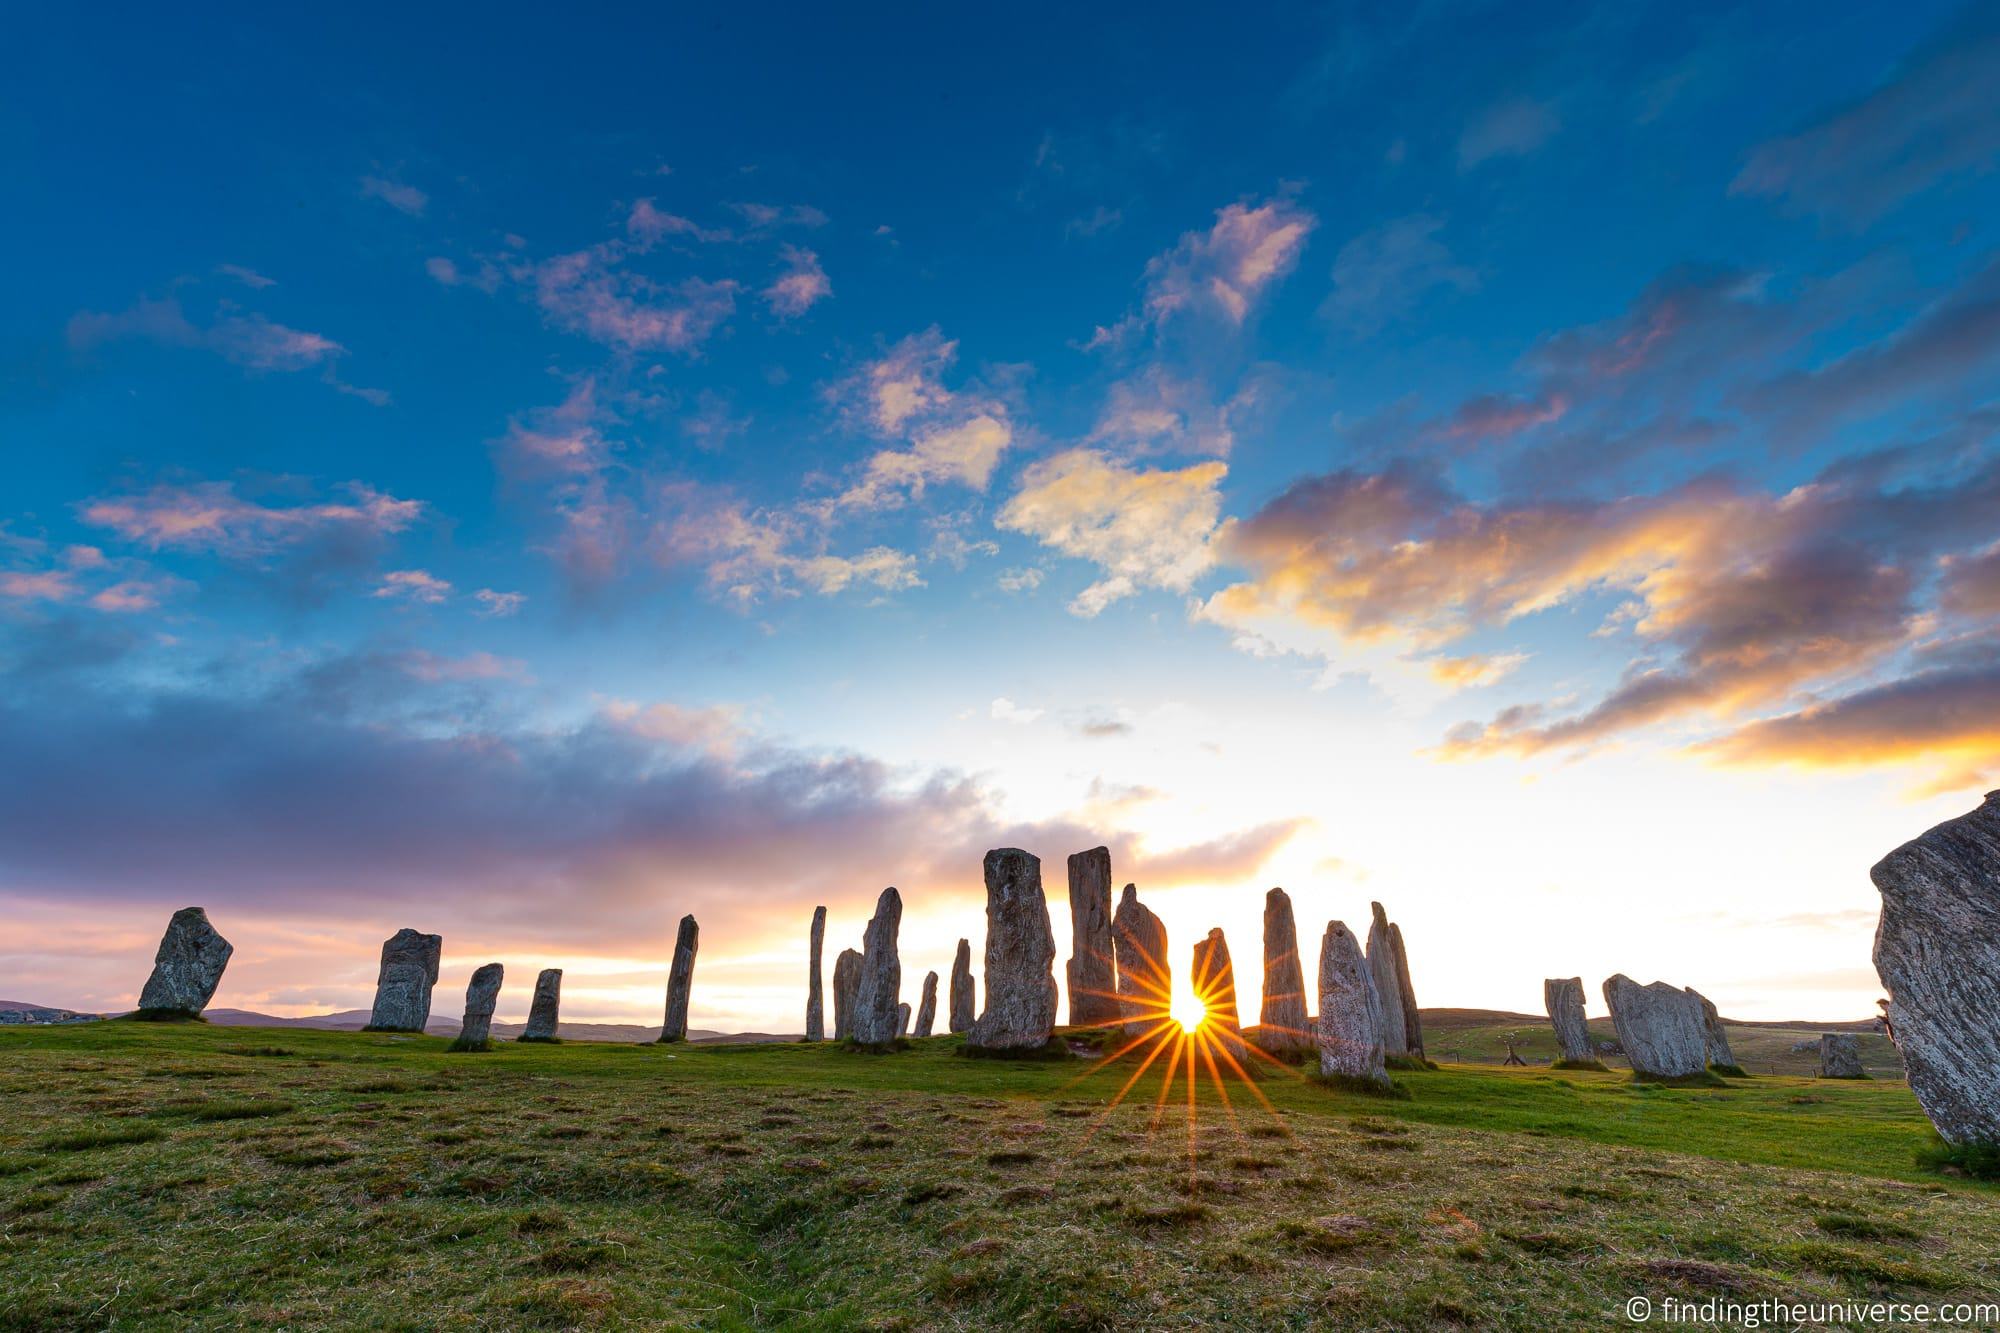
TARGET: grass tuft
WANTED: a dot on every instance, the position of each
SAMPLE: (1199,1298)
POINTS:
(1594,1066)
(115,1136)
(1367,1087)
(1980,1161)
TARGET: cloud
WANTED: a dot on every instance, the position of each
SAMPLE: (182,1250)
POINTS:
(248,340)
(211,516)
(413,585)
(1006,710)
(965,452)
(770,217)
(904,384)
(1221,273)
(1936,118)
(403,198)
(1229,859)
(1383,275)
(648,226)
(590,292)
(802,285)
(1020,580)
(1159,409)
(1514,127)
(1143,527)
(1972,583)
(953,437)
(498,604)
(750,554)
(247,276)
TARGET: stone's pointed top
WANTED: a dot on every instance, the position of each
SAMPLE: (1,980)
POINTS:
(1381,917)
(1130,895)
(887,896)
(1273,896)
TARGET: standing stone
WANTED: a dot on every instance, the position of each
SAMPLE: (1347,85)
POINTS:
(903,1018)
(815,1006)
(542,1011)
(680,980)
(1388,992)
(1350,1013)
(1938,952)
(1092,975)
(1840,1056)
(1564,998)
(1020,956)
(403,986)
(476,1034)
(187,967)
(1659,1026)
(1412,1020)
(927,1005)
(846,980)
(1215,984)
(879,992)
(1281,1018)
(963,1004)
(1714,1041)
(1145,982)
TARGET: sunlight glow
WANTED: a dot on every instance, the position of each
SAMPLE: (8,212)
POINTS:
(1188,1010)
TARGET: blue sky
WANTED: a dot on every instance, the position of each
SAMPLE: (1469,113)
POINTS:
(531,476)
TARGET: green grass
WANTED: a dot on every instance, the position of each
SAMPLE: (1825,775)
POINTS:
(163,1176)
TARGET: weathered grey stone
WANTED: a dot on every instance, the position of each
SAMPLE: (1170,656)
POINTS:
(927,1005)
(903,1018)
(1714,1041)
(1564,998)
(1840,1056)
(1659,1026)
(187,967)
(1413,1021)
(846,981)
(879,991)
(815,1005)
(1092,979)
(680,981)
(403,986)
(542,1010)
(1350,1013)
(1145,981)
(481,995)
(1020,956)
(1937,950)
(963,1002)
(1281,1017)
(1388,991)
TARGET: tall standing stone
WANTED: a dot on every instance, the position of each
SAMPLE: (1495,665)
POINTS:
(187,967)
(1388,991)
(1413,1022)
(846,981)
(1281,1018)
(1840,1056)
(542,1011)
(963,1003)
(403,986)
(1714,1041)
(1092,973)
(1020,956)
(482,995)
(815,1005)
(927,1005)
(903,1018)
(1938,952)
(1214,979)
(1660,1027)
(1564,998)
(1350,1013)
(680,981)
(1145,981)
(879,990)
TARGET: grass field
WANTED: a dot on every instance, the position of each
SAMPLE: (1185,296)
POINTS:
(169,1176)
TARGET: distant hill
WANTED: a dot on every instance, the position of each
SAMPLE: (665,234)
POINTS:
(20,1011)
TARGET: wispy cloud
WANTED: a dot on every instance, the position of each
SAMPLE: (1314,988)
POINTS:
(1513,127)
(1383,275)
(413,585)
(212,516)
(403,198)
(800,287)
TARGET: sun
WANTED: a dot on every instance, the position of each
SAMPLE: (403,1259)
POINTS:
(1189,1011)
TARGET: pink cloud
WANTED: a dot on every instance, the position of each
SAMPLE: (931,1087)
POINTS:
(803,284)
(212,516)
(413,585)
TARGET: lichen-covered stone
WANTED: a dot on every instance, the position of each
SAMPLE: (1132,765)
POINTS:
(964,1003)
(877,995)
(1938,952)
(846,981)
(815,1004)
(1714,1041)
(680,981)
(1413,1021)
(927,1006)
(1281,1017)
(1145,980)
(482,995)
(1350,1013)
(403,985)
(1091,976)
(543,1009)
(1564,998)
(1020,956)
(1840,1056)
(1388,991)
(1659,1026)
(187,967)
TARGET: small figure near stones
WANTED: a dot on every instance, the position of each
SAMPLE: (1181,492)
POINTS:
(186,969)
(815,1006)
(1091,979)
(1281,1018)
(680,981)
(1350,1015)
(1145,982)
(876,1019)
(1659,1026)
(403,986)
(963,1002)
(1840,1056)
(927,1005)
(1564,998)
(1020,1009)
(542,1010)
(481,997)
(846,980)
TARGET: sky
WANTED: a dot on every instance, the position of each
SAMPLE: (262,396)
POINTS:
(529,477)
